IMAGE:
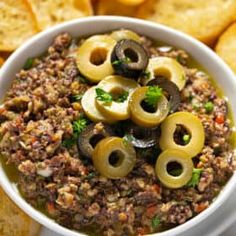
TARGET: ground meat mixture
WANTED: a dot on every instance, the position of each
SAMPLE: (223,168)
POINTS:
(37,117)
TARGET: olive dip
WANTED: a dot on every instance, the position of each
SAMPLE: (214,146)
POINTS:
(116,134)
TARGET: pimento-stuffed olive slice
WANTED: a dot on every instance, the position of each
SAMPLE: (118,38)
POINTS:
(143,117)
(91,136)
(191,124)
(129,58)
(178,158)
(170,88)
(114,158)
(141,137)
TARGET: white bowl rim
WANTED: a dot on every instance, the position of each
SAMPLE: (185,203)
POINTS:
(47,222)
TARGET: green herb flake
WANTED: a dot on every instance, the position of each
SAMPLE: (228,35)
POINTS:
(82,79)
(28,64)
(126,60)
(153,95)
(190,98)
(128,138)
(78,126)
(90,175)
(103,96)
(186,138)
(68,143)
(123,97)
(156,221)
(146,74)
(77,98)
(209,106)
(195,178)
(117,62)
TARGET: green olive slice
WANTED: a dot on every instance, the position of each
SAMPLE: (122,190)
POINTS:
(129,58)
(168,68)
(125,34)
(92,134)
(194,127)
(88,103)
(114,158)
(174,156)
(116,85)
(170,88)
(142,117)
(93,57)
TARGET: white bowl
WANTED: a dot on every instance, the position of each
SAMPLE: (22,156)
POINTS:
(92,25)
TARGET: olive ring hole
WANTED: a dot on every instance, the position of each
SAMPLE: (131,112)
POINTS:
(116,158)
(148,108)
(116,93)
(181,135)
(162,72)
(95,139)
(98,56)
(131,54)
(174,168)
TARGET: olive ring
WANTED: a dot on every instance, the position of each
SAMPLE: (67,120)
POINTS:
(182,158)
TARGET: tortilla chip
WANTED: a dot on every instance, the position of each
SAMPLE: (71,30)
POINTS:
(13,221)
(17,24)
(204,20)
(52,12)
(226,46)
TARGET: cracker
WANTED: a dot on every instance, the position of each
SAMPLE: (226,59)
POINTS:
(1,61)
(52,12)
(114,7)
(17,24)
(204,20)
(226,46)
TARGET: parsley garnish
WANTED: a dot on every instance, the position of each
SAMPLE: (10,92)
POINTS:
(153,95)
(103,96)
(77,98)
(78,126)
(123,97)
(209,106)
(128,138)
(155,222)
(68,143)
(107,97)
(119,62)
(28,64)
(82,80)
(195,178)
